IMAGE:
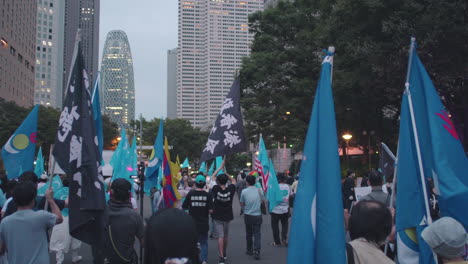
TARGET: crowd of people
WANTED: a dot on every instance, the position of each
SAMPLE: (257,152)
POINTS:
(28,232)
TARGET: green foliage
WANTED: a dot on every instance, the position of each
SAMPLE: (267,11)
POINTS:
(186,141)
(371,38)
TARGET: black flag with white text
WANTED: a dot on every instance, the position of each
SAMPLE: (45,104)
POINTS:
(227,134)
(76,152)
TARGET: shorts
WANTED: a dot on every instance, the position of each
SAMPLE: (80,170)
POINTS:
(221,228)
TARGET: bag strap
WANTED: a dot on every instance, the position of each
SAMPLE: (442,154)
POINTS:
(115,248)
(349,253)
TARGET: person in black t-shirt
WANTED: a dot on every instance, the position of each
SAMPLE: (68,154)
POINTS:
(222,213)
(199,203)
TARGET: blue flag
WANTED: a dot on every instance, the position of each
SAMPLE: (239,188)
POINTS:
(211,169)
(185,164)
(56,185)
(155,161)
(39,167)
(274,194)
(219,161)
(18,152)
(203,167)
(442,159)
(317,230)
(98,118)
(133,158)
(119,158)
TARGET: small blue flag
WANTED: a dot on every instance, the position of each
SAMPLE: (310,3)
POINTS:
(155,161)
(317,229)
(274,194)
(98,118)
(219,161)
(211,169)
(39,168)
(119,158)
(185,164)
(18,152)
(203,167)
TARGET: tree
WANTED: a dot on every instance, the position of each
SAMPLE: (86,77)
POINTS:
(111,132)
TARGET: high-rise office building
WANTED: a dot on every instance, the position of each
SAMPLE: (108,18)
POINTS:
(213,39)
(83,15)
(49,53)
(17,50)
(117,83)
(172,83)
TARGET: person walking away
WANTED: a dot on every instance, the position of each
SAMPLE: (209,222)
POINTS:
(240,186)
(171,238)
(124,224)
(447,237)
(251,199)
(377,194)
(369,226)
(199,204)
(348,190)
(222,212)
(60,240)
(281,213)
(23,234)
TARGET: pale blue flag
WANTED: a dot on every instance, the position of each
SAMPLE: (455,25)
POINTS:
(39,168)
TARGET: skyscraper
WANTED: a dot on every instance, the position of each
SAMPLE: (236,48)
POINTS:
(172,83)
(213,39)
(49,53)
(117,83)
(83,15)
(17,50)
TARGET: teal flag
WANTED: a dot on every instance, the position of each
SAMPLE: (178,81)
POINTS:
(98,117)
(274,193)
(118,160)
(39,168)
(219,161)
(56,185)
(18,152)
(203,167)
(317,229)
(185,164)
(155,161)
(211,169)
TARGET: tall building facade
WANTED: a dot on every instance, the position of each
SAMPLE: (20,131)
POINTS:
(172,83)
(117,82)
(48,89)
(83,15)
(17,50)
(213,39)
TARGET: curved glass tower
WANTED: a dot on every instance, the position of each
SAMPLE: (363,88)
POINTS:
(117,83)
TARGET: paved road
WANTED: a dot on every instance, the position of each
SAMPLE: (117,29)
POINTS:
(236,249)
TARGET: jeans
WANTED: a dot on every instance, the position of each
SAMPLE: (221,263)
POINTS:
(253,225)
(275,219)
(203,240)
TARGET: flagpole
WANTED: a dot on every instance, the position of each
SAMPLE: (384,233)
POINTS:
(392,196)
(51,176)
(416,138)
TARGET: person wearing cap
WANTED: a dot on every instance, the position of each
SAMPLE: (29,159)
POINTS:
(447,238)
(124,224)
(199,204)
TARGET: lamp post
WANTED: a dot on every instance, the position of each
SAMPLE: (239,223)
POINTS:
(368,145)
(347,137)
(248,164)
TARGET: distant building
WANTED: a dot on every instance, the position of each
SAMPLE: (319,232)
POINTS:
(213,38)
(17,50)
(84,15)
(117,83)
(48,89)
(172,84)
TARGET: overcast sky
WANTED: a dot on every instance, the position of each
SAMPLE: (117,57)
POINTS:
(151,27)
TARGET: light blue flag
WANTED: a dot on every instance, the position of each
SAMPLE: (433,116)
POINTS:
(219,161)
(155,161)
(211,169)
(263,155)
(18,152)
(202,167)
(56,185)
(62,194)
(185,164)
(274,194)
(98,118)
(442,158)
(119,156)
(133,159)
(39,168)
(317,230)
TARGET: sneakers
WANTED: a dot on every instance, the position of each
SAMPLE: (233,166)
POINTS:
(222,260)
(257,255)
(284,243)
(249,252)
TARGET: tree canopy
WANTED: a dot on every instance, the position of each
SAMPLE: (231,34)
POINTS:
(371,38)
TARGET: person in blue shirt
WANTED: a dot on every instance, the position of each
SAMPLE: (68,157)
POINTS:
(251,199)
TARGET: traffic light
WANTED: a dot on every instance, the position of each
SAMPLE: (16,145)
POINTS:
(141,169)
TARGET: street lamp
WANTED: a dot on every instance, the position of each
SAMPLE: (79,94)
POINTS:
(248,164)
(347,137)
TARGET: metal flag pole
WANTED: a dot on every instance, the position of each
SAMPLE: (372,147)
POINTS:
(141,174)
(392,197)
(416,138)
(51,174)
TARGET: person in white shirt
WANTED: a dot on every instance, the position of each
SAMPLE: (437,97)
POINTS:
(281,213)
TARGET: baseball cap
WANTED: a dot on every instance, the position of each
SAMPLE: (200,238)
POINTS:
(121,185)
(200,178)
(447,237)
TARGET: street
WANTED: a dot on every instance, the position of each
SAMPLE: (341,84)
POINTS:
(236,247)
